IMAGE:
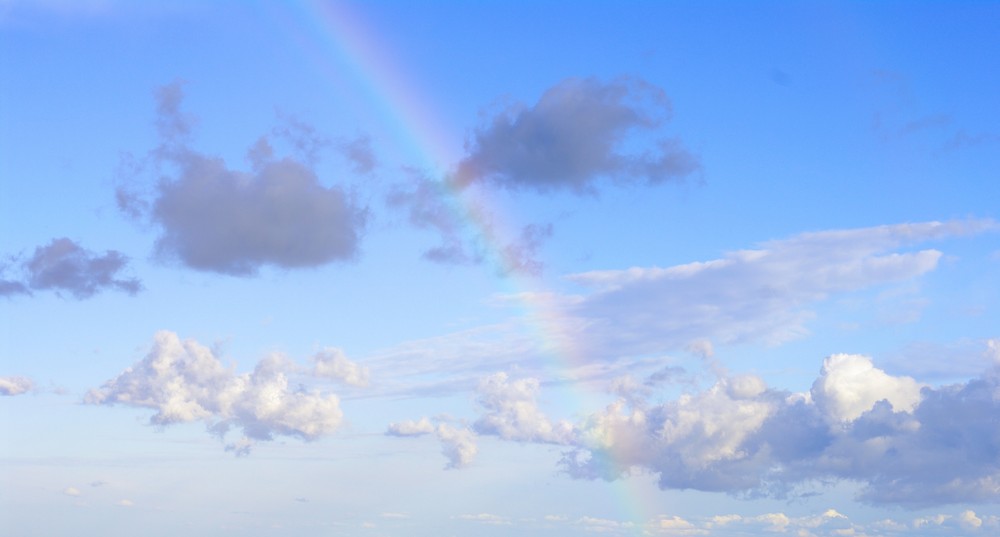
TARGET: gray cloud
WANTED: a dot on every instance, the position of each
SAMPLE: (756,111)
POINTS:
(15,385)
(183,381)
(359,153)
(467,234)
(217,219)
(574,136)
(65,266)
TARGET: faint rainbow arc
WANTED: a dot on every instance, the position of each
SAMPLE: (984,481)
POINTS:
(343,32)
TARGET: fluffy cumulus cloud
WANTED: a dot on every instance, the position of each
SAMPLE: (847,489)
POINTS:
(762,294)
(575,135)
(65,266)
(458,443)
(14,385)
(511,412)
(904,443)
(183,381)
(218,219)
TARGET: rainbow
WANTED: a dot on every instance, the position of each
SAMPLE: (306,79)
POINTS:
(338,39)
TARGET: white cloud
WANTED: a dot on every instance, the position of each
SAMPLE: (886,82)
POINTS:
(333,364)
(410,428)
(766,295)
(15,385)
(675,525)
(71,491)
(850,385)
(125,503)
(512,413)
(184,381)
(603,525)
(968,520)
(761,295)
(904,444)
(486,518)
(457,445)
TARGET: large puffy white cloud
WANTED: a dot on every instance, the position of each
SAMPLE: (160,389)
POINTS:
(184,381)
(575,135)
(902,442)
(62,265)
(219,219)
(850,386)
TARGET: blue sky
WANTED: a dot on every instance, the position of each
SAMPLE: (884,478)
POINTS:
(375,269)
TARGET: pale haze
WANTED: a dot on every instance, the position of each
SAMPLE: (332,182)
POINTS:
(499,268)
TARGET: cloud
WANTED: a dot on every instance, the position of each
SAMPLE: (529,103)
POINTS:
(183,381)
(71,491)
(64,265)
(360,154)
(217,219)
(410,428)
(466,230)
(486,518)
(512,413)
(904,443)
(850,385)
(13,385)
(457,445)
(574,136)
(761,295)
(331,363)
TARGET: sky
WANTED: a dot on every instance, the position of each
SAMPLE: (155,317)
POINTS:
(496,268)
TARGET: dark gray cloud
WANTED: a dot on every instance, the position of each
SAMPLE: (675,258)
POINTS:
(574,136)
(218,219)
(65,266)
